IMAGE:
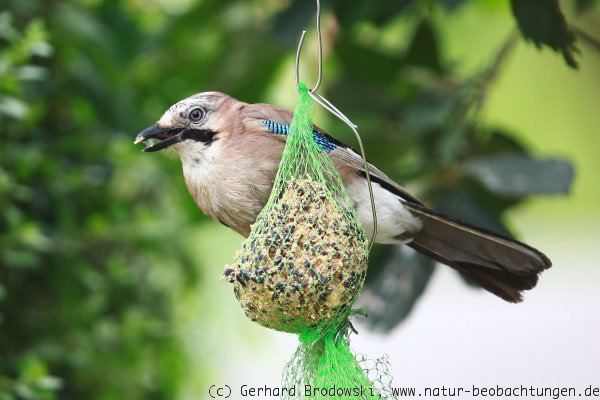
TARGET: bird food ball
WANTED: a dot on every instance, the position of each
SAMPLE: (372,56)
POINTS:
(305,263)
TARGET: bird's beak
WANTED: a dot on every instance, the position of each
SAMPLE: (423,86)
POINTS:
(166,137)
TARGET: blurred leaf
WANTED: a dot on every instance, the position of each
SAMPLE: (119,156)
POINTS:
(498,141)
(367,64)
(542,22)
(473,204)
(423,50)
(583,6)
(452,5)
(515,174)
(397,277)
(374,11)
(49,383)
(32,73)
(360,10)
(249,83)
(289,23)
(430,111)
(12,107)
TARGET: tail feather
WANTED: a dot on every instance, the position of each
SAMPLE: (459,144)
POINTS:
(497,263)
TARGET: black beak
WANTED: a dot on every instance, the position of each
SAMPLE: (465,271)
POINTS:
(166,137)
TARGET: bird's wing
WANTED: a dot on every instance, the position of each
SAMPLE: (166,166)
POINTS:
(256,113)
(341,153)
(349,157)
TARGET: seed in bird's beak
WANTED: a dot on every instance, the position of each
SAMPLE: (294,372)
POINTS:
(165,137)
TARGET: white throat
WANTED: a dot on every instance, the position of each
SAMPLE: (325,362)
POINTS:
(200,174)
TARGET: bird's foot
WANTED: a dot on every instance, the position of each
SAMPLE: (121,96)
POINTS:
(347,327)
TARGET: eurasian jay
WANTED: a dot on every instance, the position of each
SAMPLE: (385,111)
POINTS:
(230,152)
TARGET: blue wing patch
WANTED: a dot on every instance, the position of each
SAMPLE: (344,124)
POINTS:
(282,129)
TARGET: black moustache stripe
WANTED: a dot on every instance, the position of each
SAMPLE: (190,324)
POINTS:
(205,136)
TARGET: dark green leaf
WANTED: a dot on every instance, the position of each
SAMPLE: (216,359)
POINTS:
(585,5)
(452,5)
(423,50)
(360,10)
(474,204)
(290,22)
(399,277)
(429,112)
(377,12)
(517,174)
(542,22)
(498,141)
(367,64)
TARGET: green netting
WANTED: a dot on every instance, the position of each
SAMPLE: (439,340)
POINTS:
(324,367)
(304,263)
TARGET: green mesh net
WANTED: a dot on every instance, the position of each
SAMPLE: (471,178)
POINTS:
(304,263)
(324,367)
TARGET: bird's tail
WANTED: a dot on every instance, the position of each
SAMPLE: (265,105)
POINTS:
(499,264)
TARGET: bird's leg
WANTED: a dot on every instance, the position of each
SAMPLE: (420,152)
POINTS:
(346,327)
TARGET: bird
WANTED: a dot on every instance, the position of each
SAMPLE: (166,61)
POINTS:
(230,152)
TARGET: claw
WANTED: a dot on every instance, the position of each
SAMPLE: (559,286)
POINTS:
(347,326)
(359,311)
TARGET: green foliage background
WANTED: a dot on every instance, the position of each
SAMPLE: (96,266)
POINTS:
(95,261)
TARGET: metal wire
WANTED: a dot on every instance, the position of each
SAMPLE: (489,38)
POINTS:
(335,111)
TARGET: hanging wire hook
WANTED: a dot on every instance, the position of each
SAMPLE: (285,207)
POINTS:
(335,111)
(338,114)
(319,51)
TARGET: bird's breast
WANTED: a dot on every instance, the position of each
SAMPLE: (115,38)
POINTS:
(232,192)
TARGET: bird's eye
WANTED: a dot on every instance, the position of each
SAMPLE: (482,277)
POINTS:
(196,114)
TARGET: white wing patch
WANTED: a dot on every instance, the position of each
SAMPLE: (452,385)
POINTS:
(395,224)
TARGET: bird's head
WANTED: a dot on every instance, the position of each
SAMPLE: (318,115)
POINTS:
(190,125)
